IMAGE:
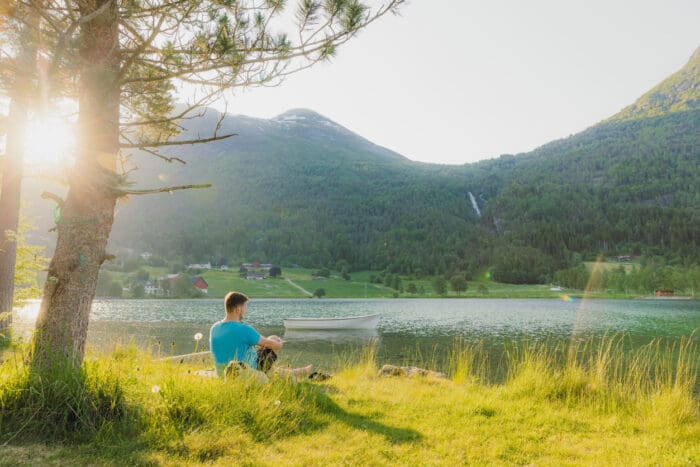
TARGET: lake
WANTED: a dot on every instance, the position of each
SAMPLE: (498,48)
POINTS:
(411,331)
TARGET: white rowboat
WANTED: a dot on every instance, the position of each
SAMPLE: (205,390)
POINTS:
(352,322)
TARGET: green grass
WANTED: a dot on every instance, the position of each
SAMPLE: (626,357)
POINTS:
(610,265)
(335,286)
(221,282)
(593,403)
(359,286)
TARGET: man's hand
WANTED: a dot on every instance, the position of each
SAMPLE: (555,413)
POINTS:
(272,342)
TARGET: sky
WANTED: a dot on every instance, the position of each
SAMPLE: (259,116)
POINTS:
(457,81)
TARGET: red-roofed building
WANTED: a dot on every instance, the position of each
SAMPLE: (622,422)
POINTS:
(200,284)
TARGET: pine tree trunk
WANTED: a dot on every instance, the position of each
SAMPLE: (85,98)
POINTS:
(11,188)
(9,210)
(87,214)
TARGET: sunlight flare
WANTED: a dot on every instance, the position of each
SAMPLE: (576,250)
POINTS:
(49,143)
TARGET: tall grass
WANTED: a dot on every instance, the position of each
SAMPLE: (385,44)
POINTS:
(606,374)
(127,406)
(128,399)
(58,403)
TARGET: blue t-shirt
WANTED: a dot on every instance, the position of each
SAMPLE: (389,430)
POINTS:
(233,340)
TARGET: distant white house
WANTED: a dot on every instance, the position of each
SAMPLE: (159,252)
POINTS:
(150,288)
(257,265)
(146,255)
(199,266)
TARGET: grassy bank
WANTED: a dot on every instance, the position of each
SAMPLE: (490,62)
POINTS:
(591,404)
(302,282)
(296,282)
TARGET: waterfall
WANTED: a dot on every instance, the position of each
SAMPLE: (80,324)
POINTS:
(474,205)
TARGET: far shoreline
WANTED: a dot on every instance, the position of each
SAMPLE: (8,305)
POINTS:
(574,295)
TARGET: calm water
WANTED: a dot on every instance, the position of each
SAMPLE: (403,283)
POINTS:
(410,331)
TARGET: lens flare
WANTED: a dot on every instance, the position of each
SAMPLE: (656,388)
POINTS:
(593,279)
(487,276)
(567,298)
(49,143)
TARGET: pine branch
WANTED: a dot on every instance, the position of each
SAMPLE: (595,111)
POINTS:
(189,73)
(181,116)
(144,45)
(153,144)
(54,197)
(162,190)
(165,158)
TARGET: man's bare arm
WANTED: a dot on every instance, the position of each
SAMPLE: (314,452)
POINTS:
(272,342)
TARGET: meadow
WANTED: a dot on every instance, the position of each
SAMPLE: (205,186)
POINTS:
(360,286)
(301,283)
(561,404)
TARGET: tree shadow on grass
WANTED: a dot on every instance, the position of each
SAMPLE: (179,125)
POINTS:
(126,439)
(394,435)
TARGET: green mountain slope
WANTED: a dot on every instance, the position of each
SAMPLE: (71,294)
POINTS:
(679,92)
(300,189)
(619,188)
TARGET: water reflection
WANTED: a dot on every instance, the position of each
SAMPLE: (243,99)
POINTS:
(417,330)
(360,336)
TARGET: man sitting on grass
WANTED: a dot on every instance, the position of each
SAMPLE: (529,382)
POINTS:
(233,343)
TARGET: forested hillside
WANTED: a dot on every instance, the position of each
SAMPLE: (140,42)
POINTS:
(300,189)
(619,188)
(679,92)
(292,194)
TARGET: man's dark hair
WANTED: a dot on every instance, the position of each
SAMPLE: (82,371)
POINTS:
(233,299)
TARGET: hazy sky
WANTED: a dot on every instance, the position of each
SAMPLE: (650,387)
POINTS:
(455,81)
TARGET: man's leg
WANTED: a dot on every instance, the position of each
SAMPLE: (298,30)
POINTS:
(266,357)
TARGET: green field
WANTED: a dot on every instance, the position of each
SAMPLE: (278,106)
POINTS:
(359,286)
(601,405)
(610,265)
(300,283)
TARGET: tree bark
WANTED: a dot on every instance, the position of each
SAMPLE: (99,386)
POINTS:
(87,214)
(10,191)
(9,210)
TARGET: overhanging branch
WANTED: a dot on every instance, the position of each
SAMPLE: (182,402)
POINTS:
(165,158)
(156,144)
(168,189)
(53,197)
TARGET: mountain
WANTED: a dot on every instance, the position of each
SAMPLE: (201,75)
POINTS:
(618,188)
(627,186)
(301,189)
(679,92)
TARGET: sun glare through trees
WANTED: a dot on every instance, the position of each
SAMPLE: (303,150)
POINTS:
(49,143)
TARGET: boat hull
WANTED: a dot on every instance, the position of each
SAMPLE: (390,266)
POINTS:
(353,322)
